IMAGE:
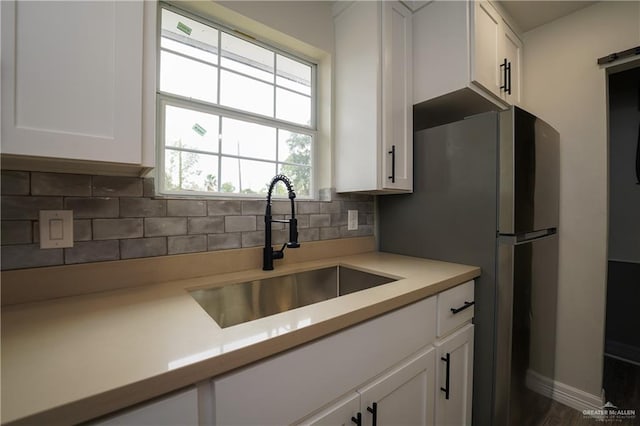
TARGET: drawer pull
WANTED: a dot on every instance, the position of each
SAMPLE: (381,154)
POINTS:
(374,413)
(445,389)
(463,307)
(358,419)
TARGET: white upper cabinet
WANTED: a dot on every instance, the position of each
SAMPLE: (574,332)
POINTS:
(463,46)
(513,55)
(373,97)
(485,52)
(72,80)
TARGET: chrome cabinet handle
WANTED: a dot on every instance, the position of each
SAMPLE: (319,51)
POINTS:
(463,307)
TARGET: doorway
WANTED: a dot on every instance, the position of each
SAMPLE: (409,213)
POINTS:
(621,372)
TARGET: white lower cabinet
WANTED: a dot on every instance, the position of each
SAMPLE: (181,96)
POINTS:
(296,384)
(404,395)
(454,358)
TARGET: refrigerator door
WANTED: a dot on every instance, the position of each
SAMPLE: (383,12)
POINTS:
(526,328)
(528,180)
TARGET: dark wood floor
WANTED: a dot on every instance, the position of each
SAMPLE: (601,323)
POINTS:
(621,382)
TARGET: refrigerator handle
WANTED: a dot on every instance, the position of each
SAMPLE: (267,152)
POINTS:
(393,164)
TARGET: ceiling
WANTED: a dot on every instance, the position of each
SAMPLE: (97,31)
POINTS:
(531,14)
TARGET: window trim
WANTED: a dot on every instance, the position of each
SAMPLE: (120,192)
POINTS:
(164,98)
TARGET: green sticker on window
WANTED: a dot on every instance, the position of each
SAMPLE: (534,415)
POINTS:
(184,28)
(199,129)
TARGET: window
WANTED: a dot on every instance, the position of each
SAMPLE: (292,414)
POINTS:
(233,112)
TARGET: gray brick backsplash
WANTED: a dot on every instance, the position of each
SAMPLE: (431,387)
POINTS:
(60,184)
(224,241)
(332,207)
(82,230)
(254,239)
(16,232)
(303,220)
(148,187)
(92,251)
(363,230)
(186,208)
(143,247)
(224,208)
(339,219)
(117,186)
(307,207)
(329,233)
(206,225)
(239,223)
(14,183)
(308,234)
(279,207)
(22,207)
(115,229)
(326,194)
(254,207)
(274,225)
(30,256)
(186,244)
(92,207)
(361,206)
(116,217)
(318,220)
(157,226)
(142,207)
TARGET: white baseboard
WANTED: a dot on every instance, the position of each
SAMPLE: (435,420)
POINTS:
(562,393)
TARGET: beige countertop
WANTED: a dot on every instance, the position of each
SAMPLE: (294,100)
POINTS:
(70,359)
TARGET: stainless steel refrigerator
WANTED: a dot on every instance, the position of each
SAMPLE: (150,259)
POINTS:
(486,194)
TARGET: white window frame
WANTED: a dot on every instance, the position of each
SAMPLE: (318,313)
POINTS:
(163,99)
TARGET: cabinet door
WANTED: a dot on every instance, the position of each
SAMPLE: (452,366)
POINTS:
(485,48)
(454,378)
(512,51)
(72,80)
(339,413)
(404,395)
(397,97)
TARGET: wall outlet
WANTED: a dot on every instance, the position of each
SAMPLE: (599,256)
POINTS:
(352,220)
(56,228)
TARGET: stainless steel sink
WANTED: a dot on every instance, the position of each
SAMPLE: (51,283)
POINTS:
(237,303)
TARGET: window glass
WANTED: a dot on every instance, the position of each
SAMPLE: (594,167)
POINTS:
(235,111)
(247,58)
(246,139)
(190,171)
(293,75)
(185,128)
(188,78)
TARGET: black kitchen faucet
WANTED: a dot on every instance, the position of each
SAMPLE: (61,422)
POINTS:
(268,252)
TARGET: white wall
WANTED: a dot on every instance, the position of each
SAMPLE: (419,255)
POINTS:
(565,87)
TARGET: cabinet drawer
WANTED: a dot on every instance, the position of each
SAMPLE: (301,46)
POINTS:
(454,308)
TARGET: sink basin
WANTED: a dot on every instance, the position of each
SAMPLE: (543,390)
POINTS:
(237,303)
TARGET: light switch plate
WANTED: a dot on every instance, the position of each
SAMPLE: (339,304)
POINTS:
(352,220)
(56,228)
